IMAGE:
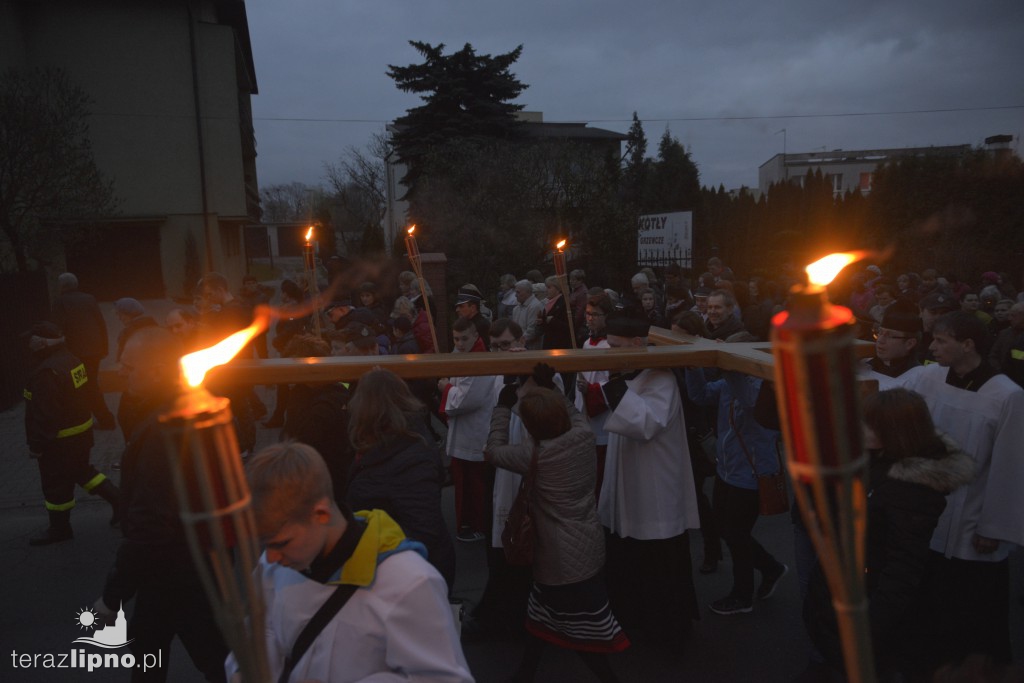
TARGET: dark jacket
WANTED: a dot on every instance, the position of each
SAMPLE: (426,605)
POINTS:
(154,548)
(729,327)
(407,344)
(57,412)
(403,476)
(905,500)
(318,416)
(556,326)
(85,331)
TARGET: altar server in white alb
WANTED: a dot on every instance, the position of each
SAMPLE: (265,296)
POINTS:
(392,621)
(984,413)
(648,501)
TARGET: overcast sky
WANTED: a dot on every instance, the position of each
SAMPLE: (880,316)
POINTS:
(724,77)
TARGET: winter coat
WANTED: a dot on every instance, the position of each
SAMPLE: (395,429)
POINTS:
(905,501)
(403,476)
(406,345)
(569,542)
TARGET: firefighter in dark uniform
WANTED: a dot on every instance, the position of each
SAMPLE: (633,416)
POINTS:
(58,427)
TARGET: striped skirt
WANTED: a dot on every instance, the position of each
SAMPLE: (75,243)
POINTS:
(575,616)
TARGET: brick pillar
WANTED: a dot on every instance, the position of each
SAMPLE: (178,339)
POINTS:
(435,272)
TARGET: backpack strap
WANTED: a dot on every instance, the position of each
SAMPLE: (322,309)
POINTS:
(314,626)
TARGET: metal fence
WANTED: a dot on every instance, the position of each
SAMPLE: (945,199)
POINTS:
(659,258)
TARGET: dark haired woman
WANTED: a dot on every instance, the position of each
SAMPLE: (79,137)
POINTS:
(397,467)
(912,471)
(568,604)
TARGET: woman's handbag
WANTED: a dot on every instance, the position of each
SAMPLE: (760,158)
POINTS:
(518,535)
(772,496)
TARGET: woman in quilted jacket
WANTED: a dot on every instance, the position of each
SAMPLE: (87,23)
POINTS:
(568,603)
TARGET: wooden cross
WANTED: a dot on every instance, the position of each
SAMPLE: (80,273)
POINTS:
(669,351)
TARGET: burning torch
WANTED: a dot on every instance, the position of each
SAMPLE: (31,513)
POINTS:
(817,391)
(309,263)
(563,283)
(215,504)
(416,262)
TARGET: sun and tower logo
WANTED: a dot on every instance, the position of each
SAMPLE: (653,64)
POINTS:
(109,637)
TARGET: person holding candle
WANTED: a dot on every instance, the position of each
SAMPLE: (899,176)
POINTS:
(982,522)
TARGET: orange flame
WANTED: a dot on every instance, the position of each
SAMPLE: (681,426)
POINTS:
(412,229)
(309,233)
(824,270)
(560,245)
(194,366)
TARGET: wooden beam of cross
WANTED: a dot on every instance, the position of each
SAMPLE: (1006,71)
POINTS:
(670,351)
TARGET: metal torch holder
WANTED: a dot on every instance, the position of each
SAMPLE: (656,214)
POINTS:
(216,511)
(818,396)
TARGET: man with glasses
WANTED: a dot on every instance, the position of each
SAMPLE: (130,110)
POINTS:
(896,341)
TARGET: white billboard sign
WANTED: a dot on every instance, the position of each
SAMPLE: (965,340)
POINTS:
(664,234)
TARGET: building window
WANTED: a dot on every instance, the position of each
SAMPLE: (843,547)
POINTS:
(836,181)
(865,181)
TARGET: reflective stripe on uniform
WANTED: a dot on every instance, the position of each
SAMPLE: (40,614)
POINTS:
(54,507)
(78,429)
(79,376)
(94,482)
(27,394)
(1017,354)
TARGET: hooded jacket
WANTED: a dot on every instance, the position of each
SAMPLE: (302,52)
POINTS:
(905,500)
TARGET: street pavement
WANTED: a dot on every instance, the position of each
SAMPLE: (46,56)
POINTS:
(44,589)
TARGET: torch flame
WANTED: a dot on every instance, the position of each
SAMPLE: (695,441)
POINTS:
(309,233)
(560,245)
(412,229)
(824,270)
(194,366)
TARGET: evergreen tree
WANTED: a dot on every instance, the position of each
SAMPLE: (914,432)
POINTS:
(466,97)
(634,180)
(674,179)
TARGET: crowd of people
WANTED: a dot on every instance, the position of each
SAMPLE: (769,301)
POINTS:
(616,463)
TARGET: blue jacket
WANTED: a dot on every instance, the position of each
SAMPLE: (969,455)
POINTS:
(735,395)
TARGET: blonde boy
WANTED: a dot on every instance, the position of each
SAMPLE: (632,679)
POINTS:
(397,621)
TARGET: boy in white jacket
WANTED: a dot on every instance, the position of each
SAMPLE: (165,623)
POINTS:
(396,626)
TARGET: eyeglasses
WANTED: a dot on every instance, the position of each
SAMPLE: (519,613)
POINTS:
(886,334)
(502,345)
